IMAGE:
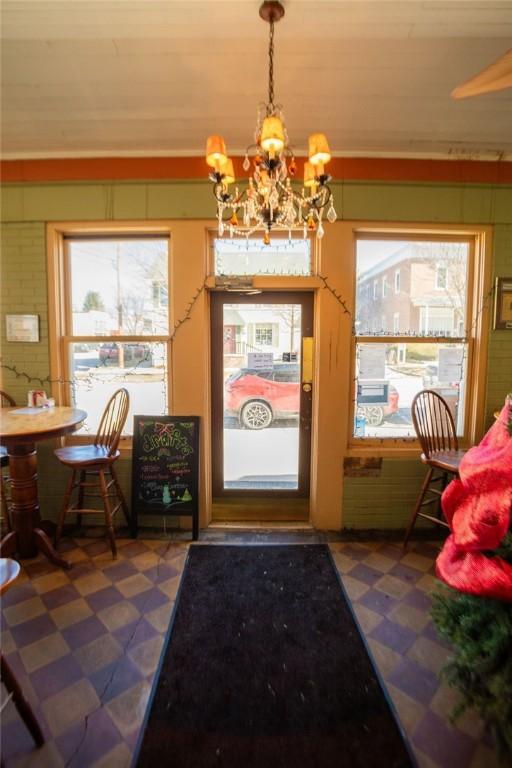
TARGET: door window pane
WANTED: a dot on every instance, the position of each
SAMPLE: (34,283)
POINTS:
(261,395)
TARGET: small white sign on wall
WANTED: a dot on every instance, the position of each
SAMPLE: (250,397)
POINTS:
(260,360)
(22,327)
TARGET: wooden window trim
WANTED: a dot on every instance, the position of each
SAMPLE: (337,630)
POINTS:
(59,295)
(478,309)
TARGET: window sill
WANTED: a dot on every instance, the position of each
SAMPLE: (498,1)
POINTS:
(411,451)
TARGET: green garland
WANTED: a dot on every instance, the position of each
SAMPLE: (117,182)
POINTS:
(480,630)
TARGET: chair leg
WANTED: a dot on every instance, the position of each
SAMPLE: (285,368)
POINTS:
(108,513)
(120,496)
(417,508)
(4,506)
(65,506)
(81,491)
(20,701)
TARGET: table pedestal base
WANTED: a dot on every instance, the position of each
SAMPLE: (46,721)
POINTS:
(27,537)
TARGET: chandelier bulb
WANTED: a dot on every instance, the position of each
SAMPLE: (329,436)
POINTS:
(266,238)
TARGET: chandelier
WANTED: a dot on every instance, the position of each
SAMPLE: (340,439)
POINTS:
(269,201)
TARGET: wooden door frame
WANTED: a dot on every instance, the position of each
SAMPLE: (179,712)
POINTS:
(218,298)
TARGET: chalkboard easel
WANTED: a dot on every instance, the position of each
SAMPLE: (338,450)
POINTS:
(165,468)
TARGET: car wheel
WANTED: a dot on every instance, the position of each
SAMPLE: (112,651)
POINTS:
(256,415)
(374,415)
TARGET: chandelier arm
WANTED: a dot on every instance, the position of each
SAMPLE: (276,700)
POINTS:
(317,204)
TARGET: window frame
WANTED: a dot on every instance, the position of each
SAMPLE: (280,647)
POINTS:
(397,280)
(60,311)
(479,285)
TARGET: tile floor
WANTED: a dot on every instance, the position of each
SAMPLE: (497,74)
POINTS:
(85,644)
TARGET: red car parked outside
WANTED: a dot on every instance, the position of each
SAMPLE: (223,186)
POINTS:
(257,397)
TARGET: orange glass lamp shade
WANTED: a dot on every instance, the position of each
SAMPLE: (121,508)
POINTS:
(272,135)
(319,152)
(216,152)
(228,172)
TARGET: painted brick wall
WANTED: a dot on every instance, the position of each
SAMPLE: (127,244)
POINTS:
(384,501)
(499,374)
(24,291)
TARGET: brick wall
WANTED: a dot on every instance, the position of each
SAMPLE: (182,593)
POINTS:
(24,291)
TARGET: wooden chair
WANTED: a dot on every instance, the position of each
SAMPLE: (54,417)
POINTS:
(6,402)
(435,429)
(9,571)
(95,466)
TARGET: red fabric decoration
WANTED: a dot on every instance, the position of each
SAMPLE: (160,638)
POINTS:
(478,507)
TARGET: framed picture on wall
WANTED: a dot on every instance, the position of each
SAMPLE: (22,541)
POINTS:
(22,328)
(503,304)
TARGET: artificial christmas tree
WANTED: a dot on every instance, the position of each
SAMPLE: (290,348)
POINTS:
(475,612)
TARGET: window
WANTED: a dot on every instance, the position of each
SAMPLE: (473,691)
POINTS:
(441,277)
(375,285)
(434,349)
(263,334)
(384,286)
(253,257)
(116,323)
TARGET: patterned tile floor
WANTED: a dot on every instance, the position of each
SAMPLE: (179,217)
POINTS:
(85,644)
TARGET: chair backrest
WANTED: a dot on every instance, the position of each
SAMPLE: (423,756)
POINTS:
(7,401)
(112,421)
(433,423)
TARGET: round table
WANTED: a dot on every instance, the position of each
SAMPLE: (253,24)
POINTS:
(20,430)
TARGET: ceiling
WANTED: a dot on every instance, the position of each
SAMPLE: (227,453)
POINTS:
(152,77)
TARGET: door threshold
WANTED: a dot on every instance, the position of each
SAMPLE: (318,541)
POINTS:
(237,509)
(246,525)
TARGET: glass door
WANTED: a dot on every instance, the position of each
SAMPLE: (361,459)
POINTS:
(262,389)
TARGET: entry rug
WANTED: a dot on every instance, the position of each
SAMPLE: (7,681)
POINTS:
(265,668)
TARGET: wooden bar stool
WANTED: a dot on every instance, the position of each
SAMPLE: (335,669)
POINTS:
(94,465)
(6,402)
(9,571)
(435,430)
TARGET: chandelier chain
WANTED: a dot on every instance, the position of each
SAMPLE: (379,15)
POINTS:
(270,105)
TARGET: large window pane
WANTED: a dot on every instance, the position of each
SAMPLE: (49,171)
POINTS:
(252,257)
(390,375)
(119,287)
(411,287)
(99,369)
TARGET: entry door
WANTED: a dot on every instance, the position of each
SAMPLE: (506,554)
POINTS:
(261,400)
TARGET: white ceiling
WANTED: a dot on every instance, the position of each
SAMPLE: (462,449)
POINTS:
(149,77)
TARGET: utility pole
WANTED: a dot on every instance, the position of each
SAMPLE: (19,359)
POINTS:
(119,304)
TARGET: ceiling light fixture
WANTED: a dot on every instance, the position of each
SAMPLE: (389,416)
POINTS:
(269,202)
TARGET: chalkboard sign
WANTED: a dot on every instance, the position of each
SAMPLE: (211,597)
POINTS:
(165,467)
